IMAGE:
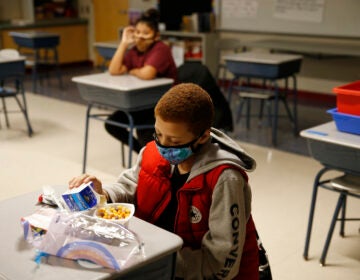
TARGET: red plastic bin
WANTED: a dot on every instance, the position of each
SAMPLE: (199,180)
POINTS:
(348,98)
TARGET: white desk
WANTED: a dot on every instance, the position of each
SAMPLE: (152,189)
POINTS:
(126,93)
(14,68)
(17,256)
(268,67)
(333,148)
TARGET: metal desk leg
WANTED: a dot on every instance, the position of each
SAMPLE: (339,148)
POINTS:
(343,217)
(130,139)
(312,210)
(230,89)
(248,112)
(339,206)
(58,72)
(86,136)
(295,105)
(20,85)
(34,70)
(276,112)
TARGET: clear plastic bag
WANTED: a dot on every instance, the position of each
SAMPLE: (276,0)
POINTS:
(76,235)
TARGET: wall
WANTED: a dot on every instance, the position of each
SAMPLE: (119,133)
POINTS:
(10,10)
(142,5)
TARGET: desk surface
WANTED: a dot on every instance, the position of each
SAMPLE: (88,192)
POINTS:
(32,34)
(328,133)
(16,256)
(306,47)
(107,44)
(4,59)
(121,83)
(265,58)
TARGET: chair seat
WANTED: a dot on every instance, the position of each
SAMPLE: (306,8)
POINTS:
(7,92)
(347,182)
(345,185)
(257,95)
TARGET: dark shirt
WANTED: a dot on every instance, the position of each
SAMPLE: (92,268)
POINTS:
(167,218)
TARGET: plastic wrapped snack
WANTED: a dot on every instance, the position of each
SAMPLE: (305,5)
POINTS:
(75,235)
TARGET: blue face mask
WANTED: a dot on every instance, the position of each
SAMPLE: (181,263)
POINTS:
(175,154)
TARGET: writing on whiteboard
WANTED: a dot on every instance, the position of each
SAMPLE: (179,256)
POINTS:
(239,8)
(300,10)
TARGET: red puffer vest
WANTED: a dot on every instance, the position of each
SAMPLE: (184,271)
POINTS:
(194,200)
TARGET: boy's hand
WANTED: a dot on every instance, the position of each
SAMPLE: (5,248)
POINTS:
(85,178)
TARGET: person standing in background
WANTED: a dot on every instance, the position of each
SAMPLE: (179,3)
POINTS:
(141,53)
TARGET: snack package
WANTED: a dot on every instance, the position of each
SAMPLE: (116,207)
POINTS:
(77,236)
(82,198)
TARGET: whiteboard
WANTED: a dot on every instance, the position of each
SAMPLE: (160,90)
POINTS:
(334,18)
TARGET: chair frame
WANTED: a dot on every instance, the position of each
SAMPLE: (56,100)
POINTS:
(340,206)
(8,92)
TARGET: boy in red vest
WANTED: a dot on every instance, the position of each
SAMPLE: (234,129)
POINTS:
(191,180)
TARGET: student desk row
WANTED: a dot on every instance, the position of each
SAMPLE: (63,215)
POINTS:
(17,256)
(125,93)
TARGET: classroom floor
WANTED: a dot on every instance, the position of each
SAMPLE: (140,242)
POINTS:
(281,184)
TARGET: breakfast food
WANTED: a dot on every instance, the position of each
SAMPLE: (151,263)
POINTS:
(115,212)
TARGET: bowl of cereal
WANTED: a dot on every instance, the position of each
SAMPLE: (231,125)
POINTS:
(116,212)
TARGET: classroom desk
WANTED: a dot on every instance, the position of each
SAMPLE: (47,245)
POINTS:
(317,49)
(106,50)
(39,41)
(126,93)
(335,150)
(268,67)
(15,68)
(17,256)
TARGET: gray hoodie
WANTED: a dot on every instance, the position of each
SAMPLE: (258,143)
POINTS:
(231,189)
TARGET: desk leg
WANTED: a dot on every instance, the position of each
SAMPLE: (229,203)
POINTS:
(131,139)
(312,210)
(20,86)
(295,105)
(276,112)
(58,72)
(86,136)
(34,70)
(230,89)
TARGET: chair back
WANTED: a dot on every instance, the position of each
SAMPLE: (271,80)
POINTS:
(348,182)
(198,73)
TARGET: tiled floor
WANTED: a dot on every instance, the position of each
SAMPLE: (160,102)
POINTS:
(281,183)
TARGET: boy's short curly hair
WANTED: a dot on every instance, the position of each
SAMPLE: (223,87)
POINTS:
(188,103)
